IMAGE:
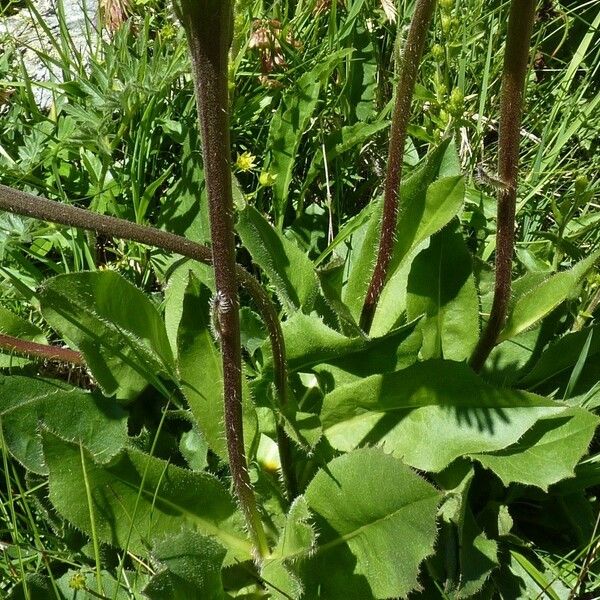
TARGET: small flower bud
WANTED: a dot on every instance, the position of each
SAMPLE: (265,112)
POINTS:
(267,179)
(457,101)
(438,53)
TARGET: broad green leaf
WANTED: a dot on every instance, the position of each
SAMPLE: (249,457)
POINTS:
(478,556)
(442,288)
(297,540)
(288,268)
(289,124)
(425,207)
(194,448)
(372,537)
(11,324)
(175,293)
(309,342)
(114,325)
(28,404)
(465,555)
(191,568)
(547,453)
(533,304)
(201,373)
(443,200)
(137,499)
(430,413)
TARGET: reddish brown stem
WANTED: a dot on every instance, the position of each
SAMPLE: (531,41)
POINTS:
(39,351)
(516,58)
(411,57)
(209,28)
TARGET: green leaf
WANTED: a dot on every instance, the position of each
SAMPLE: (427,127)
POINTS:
(138,498)
(28,404)
(310,342)
(175,294)
(191,568)
(184,208)
(287,267)
(443,200)
(288,125)
(534,303)
(11,324)
(547,453)
(426,206)
(373,536)
(430,413)
(465,555)
(114,325)
(562,356)
(441,287)
(194,449)
(201,373)
(297,540)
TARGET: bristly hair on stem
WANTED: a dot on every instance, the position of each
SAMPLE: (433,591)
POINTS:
(209,28)
(409,68)
(516,59)
(33,350)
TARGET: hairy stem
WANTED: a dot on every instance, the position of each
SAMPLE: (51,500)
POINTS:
(516,58)
(22,203)
(209,28)
(411,57)
(39,351)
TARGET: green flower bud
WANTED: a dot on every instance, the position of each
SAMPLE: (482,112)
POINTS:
(77,582)
(581,184)
(446,24)
(266,179)
(457,102)
(438,53)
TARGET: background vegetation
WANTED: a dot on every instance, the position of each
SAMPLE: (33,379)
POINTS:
(120,137)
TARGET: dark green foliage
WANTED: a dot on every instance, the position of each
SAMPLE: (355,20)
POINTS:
(381,464)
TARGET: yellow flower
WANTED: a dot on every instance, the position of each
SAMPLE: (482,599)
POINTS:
(245,162)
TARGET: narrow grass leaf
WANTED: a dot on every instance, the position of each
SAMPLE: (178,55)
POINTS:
(289,124)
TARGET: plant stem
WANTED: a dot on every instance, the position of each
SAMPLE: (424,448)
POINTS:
(37,207)
(413,50)
(209,29)
(516,59)
(39,351)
